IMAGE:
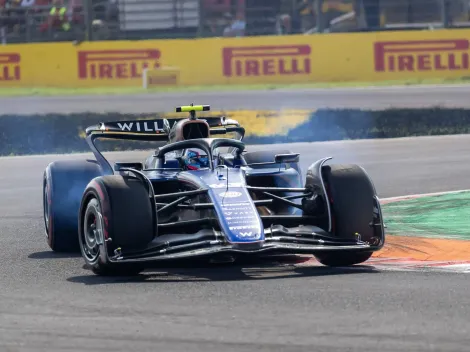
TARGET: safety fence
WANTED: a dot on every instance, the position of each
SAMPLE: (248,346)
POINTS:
(378,56)
(24,21)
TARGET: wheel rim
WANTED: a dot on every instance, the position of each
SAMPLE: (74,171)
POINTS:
(46,207)
(91,236)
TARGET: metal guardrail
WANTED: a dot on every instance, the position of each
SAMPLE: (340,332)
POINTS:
(154,19)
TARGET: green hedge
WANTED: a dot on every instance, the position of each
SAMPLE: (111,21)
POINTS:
(38,134)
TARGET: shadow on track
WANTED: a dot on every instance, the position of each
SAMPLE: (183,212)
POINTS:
(225,272)
(53,255)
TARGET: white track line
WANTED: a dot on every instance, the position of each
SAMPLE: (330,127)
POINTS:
(414,196)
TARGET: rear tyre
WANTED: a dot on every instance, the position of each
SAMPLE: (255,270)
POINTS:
(116,212)
(63,185)
(352,206)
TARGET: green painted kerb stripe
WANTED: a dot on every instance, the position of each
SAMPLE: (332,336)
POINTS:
(443,216)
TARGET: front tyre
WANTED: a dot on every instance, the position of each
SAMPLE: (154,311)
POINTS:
(351,194)
(116,212)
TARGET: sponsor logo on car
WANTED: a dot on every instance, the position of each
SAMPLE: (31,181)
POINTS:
(232,206)
(225,185)
(10,69)
(279,60)
(246,227)
(147,126)
(116,64)
(245,215)
(246,234)
(250,235)
(230,194)
(421,55)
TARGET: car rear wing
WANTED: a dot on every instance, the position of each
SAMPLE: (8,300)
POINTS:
(156,129)
(159,129)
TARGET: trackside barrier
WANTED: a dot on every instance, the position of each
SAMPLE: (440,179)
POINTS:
(377,56)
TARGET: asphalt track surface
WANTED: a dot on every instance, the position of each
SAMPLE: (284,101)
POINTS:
(373,98)
(51,303)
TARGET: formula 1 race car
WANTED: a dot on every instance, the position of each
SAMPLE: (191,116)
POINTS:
(203,196)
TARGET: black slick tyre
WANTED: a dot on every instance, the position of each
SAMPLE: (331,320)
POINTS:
(351,194)
(63,185)
(116,213)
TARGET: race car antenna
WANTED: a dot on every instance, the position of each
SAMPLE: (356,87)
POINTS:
(192,113)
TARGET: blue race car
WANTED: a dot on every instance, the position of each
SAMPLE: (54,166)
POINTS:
(201,195)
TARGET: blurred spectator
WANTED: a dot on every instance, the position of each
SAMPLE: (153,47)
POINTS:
(285,18)
(217,16)
(58,20)
(284,24)
(39,9)
(44,20)
(75,11)
(237,26)
(307,14)
(13,18)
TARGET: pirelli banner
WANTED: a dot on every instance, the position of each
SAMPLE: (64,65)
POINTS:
(257,60)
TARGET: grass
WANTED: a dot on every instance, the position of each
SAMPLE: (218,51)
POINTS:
(45,91)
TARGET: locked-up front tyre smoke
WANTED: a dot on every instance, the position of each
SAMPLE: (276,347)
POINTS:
(116,212)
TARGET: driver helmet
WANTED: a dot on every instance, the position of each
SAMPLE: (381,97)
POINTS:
(196,161)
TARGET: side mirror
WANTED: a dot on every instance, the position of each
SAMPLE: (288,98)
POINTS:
(119,166)
(287,158)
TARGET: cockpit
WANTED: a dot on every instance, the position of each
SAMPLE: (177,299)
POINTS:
(198,154)
(195,159)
